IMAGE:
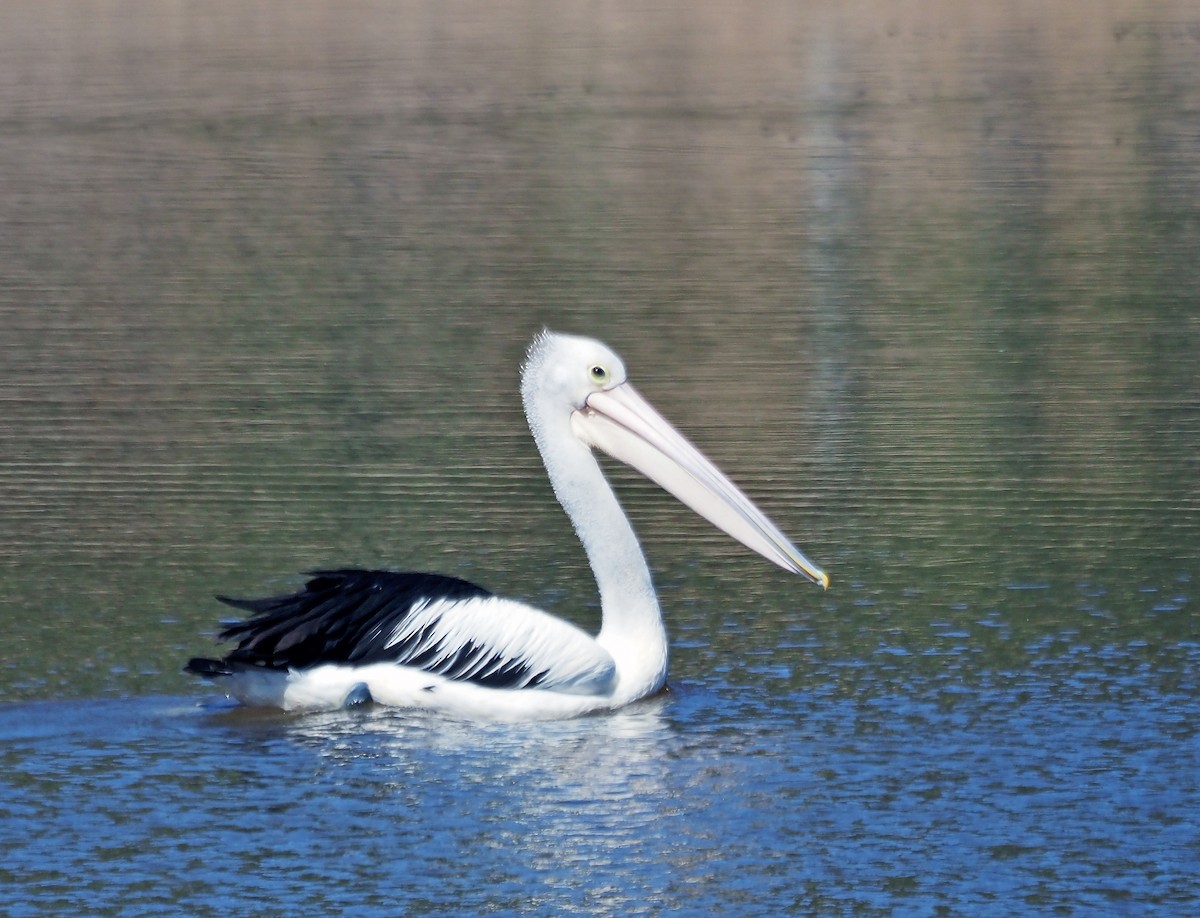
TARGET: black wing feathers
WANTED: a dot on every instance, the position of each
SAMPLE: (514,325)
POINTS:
(342,616)
(351,617)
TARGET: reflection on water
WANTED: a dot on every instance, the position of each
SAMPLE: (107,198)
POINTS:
(922,280)
(585,795)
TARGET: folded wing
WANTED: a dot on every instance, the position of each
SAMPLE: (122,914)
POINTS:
(440,625)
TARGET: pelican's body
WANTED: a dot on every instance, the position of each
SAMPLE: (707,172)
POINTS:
(427,641)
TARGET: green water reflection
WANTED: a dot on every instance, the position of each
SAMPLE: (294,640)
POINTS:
(929,293)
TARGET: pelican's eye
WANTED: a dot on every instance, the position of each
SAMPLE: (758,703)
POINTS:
(598,374)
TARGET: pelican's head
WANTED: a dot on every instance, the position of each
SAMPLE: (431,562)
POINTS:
(566,370)
(583,383)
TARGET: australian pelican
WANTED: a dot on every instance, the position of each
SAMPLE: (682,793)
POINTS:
(428,641)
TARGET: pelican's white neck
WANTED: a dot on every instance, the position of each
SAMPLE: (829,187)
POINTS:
(632,627)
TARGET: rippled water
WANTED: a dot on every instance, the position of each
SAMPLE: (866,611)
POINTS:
(923,281)
(1026,795)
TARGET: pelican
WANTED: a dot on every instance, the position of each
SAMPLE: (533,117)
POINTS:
(427,641)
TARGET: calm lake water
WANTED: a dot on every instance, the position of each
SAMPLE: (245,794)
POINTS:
(923,280)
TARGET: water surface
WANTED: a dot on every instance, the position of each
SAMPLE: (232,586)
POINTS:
(923,281)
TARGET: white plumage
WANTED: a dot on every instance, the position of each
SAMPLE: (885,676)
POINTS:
(564,658)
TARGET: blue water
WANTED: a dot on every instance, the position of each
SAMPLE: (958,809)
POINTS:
(1055,791)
